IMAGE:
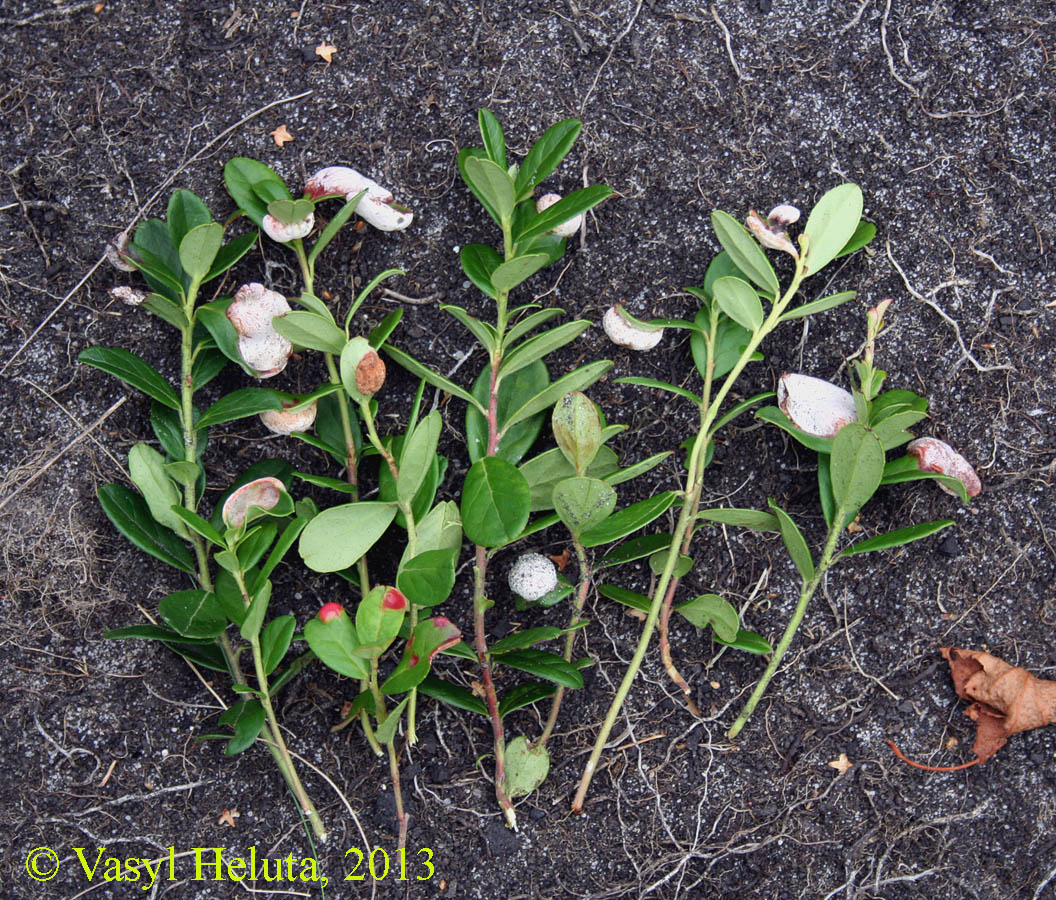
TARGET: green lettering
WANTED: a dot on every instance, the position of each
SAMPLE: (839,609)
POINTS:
(218,874)
(90,873)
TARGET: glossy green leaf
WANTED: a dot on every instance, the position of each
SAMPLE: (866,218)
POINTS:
(493,184)
(478,262)
(526,767)
(730,342)
(628,598)
(435,379)
(862,237)
(541,345)
(166,310)
(744,252)
(427,578)
(207,365)
(335,643)
(494,140)
(275,641)
(253,185)
(907,468)
(146,468)
(196,523)
(254,543)
(739,408)
(334,226)
(517,270)
(740,302)
(543,472)
(831,225)
(855,468)
(386,731)
(825,496)
(756,520)
(194,614)
(574,204)
(714,611)
(583,504)
(418,455)
(795,543)
(636,469)
(635,548)
(452,694)
(897,538)
(239,404)
(377,622)
(247,718)
(577,380)
(157,257)
(658,562)
(522,695)
(528,323)
(132,370)
(514,392)
(151,633)
(543,665)
(577,429)
(230,254)
(661,386)
(520,640)
(213,317)
(255,615)
(186,211)
(495,502)
(129,514)
(482,331)
(306,329)
(748,642)
(431,636)
(629,520)
(546,154)
(817,306)
(774,416)
(199,248)
(339,536)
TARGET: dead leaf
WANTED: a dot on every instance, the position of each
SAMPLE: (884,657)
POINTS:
(561,559)
(1005,699)
(227,818)
(477,689)
(281,135)
(842,764)
(326,51)
(640,614)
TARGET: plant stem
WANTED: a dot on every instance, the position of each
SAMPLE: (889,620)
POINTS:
(585,577)
(683,534)
(381,714)
(806,592)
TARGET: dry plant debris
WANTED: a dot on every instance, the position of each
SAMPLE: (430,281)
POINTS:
(281,135)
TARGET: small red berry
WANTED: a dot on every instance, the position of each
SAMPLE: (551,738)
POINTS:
(330,612)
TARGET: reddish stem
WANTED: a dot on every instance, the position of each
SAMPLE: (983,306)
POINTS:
(665,649)
(917,765)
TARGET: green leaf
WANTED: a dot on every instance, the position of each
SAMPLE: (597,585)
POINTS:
(199,248)
(241,403)
(339,536)
(335,643)
(526,767)
(289,534)
(897,538)
(440,529)
(713,610)
(831,225)
(230,254)
(418,454)
(151,633)
(514,392)
(478,262)
(756,520)
(427,578)
(546,154)
(146,468)
(658,562)
(386,731)
(749,642)
(129,514)
(740,408)
(744,252)
(258,609)
(740,302)
(577,429)
(493,185)
(529,323)
(254,544)
(891,430)
(306,329)
(636,548)
(543,665)
(543,472)
(253,185)
(380,333)
(334,226)
(795,542)
(856,467)
(206,367)
(452,694)
(494,141)
(862,237)
(825,497)
(907,468)
(155,254)
(213,317)
(774,416)
(431,636)
(247,719)
(378,623)
(517,270)
(816,306)
(275,641)
(132,370)
(162,307)
(566,208)
(435,379)
(730,342)
(290,212)
(577,380)
(541,345)
(583,503)
(628,598)
(194,614)
(633,471)
(496,502)
(482,331)
(200,525)
(205,656)
(629,520)
(522,695)
(521,640)
(661,386)
(186,211)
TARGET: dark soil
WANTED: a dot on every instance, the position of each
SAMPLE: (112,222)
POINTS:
(942,112)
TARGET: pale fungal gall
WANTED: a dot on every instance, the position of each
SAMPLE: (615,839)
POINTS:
(287,420)
(626,333)
(362,370)
(567,228)
(264,493)
(771,233)
(532,576)
(939,457)
(262,348)
(283,233)
(330,611)
(117,251)
(377,207)
(815,406)
(394,600)
(128,295)
(782,216)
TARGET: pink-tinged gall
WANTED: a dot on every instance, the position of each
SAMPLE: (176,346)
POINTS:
(377,207)
(264,493)
(286,421)
(284,233)
(815,406)
(939,457)
(414,660)
(394,600)
(330,611)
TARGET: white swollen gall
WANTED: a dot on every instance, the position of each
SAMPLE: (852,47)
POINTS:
(626,333)
(264,493)
(815,406)
(782,216)
(287,421)
(262,348)
(532,576)
(117,250)
(567,228)
(937,456)
(283,233)
(378,207)
(128,295)
(773,238)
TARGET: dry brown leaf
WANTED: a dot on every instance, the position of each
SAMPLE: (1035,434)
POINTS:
(1005,699)
(227,818)
(326,51)
(561,559)
(281,135)
(842,764)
